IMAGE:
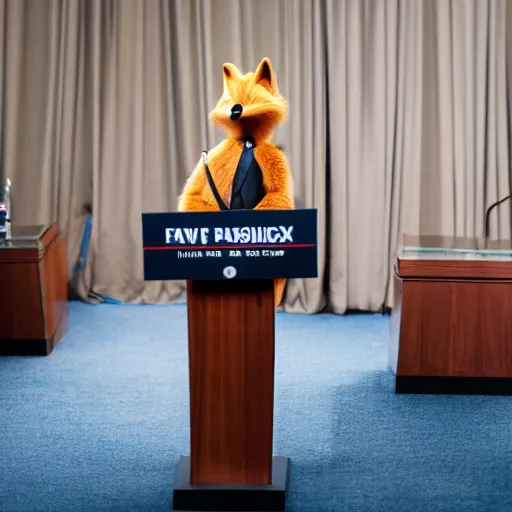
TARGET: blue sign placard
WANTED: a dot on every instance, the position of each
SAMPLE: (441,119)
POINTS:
(233,244)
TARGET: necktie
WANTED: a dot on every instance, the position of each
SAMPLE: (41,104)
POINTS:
(241,175)
(247,188)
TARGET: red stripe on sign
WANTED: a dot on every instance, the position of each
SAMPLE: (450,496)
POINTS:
(213,247)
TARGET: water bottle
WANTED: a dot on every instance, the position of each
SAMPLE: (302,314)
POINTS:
(5,211)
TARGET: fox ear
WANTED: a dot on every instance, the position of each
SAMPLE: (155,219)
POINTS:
(264,75)
(229,72)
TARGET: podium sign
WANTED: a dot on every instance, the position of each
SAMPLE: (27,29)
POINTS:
(235,244)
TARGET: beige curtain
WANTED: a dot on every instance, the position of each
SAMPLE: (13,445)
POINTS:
(399,121)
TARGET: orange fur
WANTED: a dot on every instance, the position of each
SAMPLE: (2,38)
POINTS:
(263,109)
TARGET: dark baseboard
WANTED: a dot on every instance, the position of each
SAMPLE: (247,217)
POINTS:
(406,384)
(30,347)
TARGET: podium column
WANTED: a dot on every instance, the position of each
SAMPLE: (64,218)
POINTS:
(231,364)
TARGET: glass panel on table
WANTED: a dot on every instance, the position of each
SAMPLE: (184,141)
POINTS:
(24,237)
(435,247)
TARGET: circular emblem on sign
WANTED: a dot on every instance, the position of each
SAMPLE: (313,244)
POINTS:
(229,272)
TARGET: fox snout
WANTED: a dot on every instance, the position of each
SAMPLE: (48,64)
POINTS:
(236,112)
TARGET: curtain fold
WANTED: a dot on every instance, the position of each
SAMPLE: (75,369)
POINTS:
(400,121)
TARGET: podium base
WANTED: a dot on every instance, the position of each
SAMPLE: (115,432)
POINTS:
(240,498)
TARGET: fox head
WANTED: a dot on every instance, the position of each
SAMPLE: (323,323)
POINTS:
(250,103)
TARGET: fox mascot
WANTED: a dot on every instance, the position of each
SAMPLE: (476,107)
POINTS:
(246,170)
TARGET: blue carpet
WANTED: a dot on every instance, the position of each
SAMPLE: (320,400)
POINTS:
(101,423)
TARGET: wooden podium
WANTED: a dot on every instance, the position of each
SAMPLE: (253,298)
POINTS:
(231,364)
(33,290)
(230,260)
(451,327)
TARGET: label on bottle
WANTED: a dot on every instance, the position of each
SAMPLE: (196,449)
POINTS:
(4,223)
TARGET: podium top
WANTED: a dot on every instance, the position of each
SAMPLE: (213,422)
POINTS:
(28,243)
(453,257)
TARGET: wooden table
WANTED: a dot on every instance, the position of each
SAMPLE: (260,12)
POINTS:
(451,325)
(33,290)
